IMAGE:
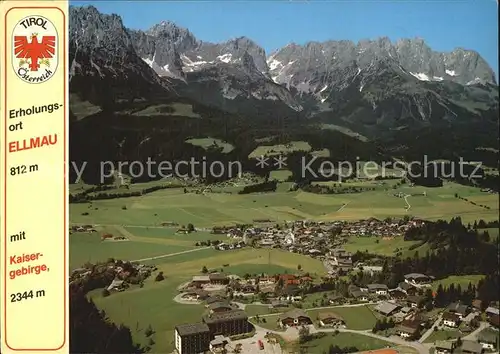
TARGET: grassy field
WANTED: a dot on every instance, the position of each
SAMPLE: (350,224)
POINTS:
(344,130)
(377,245)
(224,209)
(273,150)
(358,318)
(88,247)
(85,248)
(462,280)
(280,175)
(321,345)
(442,335)
(254,310)
(174,109)
(211,142)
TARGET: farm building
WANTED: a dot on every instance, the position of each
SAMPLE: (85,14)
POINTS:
(330,319)
(293,318)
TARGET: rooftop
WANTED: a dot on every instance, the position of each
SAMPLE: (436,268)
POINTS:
(217,276)
(377,286)
(192,328)
(471,347)
(215,305)
(445,345)
(450,316)
(492,310)
(225,316)
(416,276)
(488,335)
(386,307)
(326,315)
(406,329)
(295,313)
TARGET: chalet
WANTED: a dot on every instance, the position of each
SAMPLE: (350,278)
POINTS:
(405,311)
(397,294)
(330,319)
(370,269)
(334,300)
(488,338)
(218,279)
(294,318)
(476,304)
(288,279)
(417,279)
(491,311)
(405,331)
(414,301)
(215,298)
(267,281)
(379,289)
(470,318)
(460,310)
(408,288)
(200,280)
(470,347)
(357,294)
(409,328)
(387,308)
(247,289)
(444,347)
(275,304)
(291,293)
(450,320)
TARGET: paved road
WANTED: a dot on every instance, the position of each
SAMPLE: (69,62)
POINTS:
(430,330)
(406,200)
(342,207)
(170,254)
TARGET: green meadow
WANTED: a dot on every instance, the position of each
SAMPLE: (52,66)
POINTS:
(209,209)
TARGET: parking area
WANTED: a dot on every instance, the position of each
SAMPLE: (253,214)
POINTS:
(251,345)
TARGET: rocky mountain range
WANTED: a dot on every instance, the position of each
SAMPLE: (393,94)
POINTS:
(375,88)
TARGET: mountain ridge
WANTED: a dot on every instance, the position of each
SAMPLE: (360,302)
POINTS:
(362,87)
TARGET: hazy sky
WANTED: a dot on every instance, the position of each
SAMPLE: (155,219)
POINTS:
(444,25)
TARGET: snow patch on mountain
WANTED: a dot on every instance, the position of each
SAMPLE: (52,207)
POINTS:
(421,76)
(225,58)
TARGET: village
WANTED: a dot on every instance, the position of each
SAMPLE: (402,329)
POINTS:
(402,316)
(322,240)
